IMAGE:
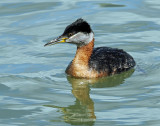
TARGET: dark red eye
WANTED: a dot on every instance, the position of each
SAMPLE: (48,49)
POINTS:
(70,34)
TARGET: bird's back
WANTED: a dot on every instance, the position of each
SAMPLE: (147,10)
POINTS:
(110,60)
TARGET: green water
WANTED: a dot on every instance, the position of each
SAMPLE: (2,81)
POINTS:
(34,89)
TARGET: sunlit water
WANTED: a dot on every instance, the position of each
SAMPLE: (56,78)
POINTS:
(34,89)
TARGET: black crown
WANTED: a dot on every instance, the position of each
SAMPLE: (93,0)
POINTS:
(79,25)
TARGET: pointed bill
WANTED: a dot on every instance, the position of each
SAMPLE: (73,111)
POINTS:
(56,41)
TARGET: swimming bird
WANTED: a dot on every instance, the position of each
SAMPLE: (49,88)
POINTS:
(90,62)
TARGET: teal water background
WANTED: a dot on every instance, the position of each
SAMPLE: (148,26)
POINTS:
(34,89)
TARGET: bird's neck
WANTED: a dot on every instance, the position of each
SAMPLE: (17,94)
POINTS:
(83,54)
(79,66)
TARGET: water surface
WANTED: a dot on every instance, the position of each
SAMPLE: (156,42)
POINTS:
(34,89)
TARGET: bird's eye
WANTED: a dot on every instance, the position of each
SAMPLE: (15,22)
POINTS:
(70,34)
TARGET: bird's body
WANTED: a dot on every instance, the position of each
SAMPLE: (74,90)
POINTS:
(90,62)
(110,60)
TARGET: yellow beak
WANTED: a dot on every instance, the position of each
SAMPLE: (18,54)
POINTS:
(56,41)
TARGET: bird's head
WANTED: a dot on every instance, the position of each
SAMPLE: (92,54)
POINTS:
(79,33)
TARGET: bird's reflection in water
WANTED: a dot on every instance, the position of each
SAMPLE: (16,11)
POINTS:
(82,112)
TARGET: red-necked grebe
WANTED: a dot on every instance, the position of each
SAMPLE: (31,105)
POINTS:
(90,62)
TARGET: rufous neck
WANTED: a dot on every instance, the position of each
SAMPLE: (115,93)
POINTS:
(84,52)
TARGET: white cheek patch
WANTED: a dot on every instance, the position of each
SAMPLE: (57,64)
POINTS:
(81,38)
